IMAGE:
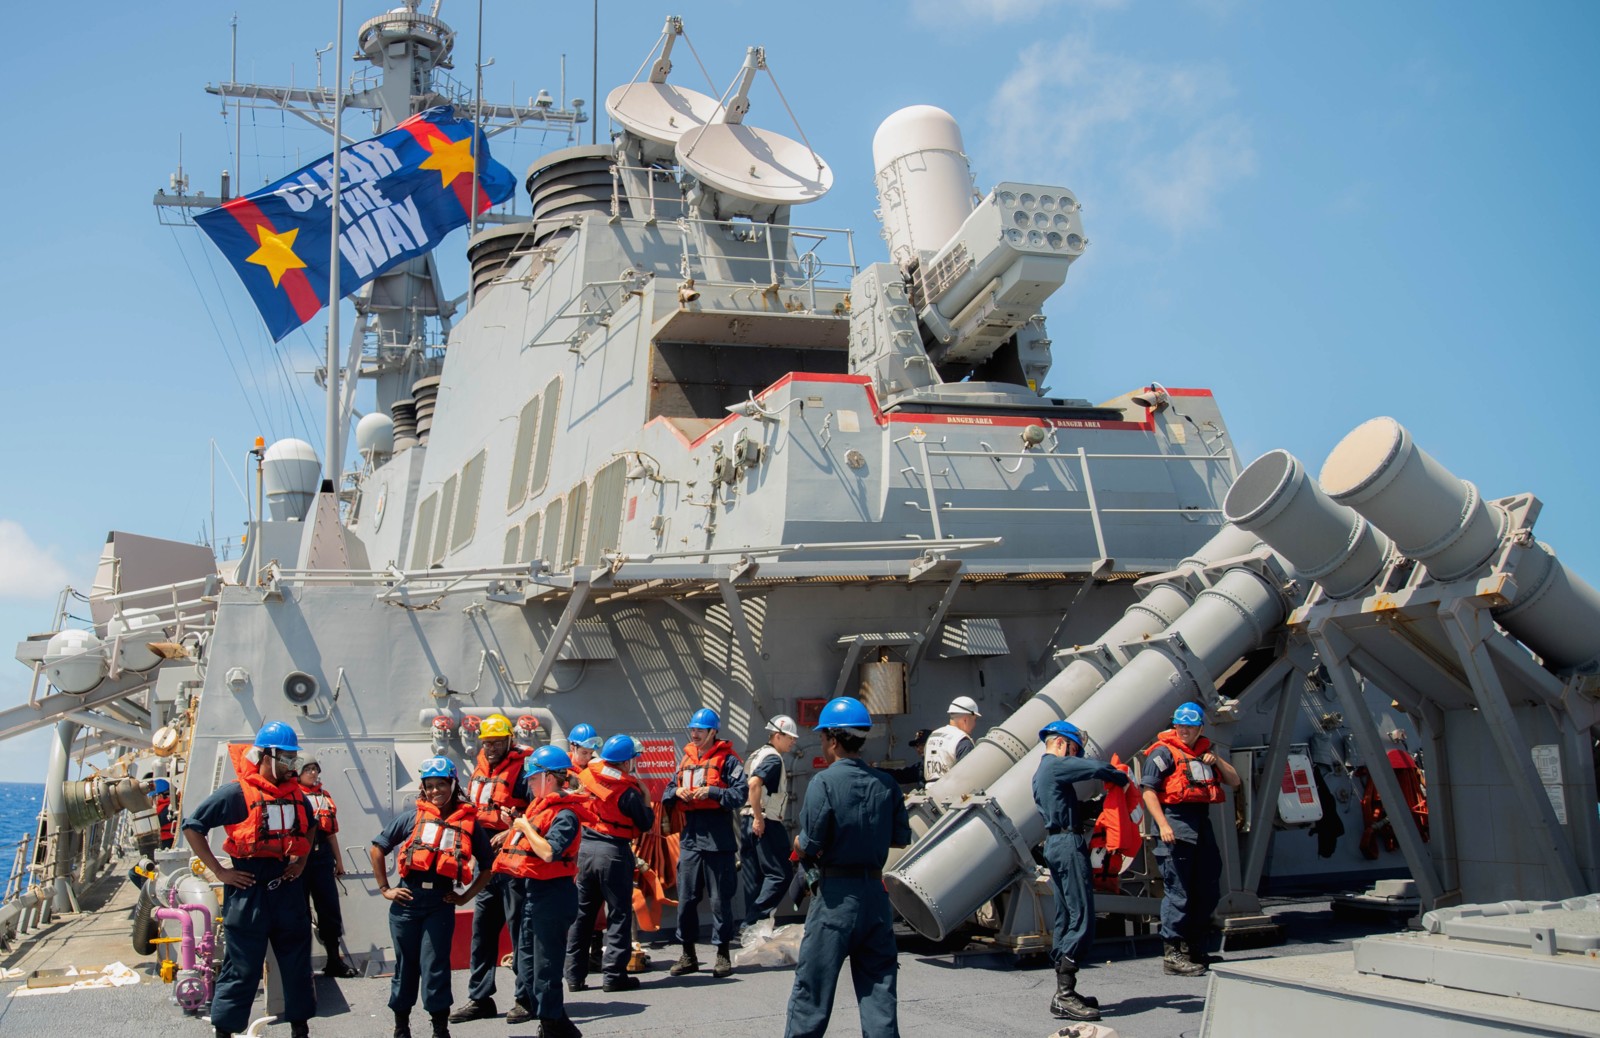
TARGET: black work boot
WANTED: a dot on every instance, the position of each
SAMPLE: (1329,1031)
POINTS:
(688,962)
(1067,1005)
(622,983)
(299,1029)
(336,966)
(724,964)
(562,1028)
(1174,961)
(475,1009)
(402,1023)
(1195,952)
(519,1014)
(441,1024)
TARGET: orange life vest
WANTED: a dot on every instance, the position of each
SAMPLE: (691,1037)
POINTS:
(440,844)
(322,809)
(606,784)
(1116,832)
(1190,781)
(491,789)
(517,857)
(279,823)
(704,769)
(1376,827)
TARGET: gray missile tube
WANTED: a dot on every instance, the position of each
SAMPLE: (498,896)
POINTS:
(1440,521)
(972,852)
(1010,741)
(1326,542)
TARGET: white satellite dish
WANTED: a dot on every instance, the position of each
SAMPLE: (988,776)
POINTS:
(753,164)
(659,112)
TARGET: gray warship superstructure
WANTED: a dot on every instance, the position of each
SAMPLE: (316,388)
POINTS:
(682,450)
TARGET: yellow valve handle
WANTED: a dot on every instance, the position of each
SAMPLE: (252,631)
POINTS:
(166,940)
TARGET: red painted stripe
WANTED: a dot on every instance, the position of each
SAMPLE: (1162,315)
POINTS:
(865,382)
(295,284)
(1188,392)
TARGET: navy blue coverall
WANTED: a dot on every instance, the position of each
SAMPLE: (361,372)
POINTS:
(548,908)
(851,816)
(706,850)
(1066,848)
(422,928)
(497,907)
(272,911)
(605,875)
(1191,865)
(322,886)
(765,869)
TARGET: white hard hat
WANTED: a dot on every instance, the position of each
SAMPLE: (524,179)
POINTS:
(783,724)
(964,705)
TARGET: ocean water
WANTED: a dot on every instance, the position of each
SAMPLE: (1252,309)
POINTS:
(19,815)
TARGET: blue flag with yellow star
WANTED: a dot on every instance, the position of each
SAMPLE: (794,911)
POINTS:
(400,194)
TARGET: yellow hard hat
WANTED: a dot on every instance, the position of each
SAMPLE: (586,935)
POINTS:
(495,726)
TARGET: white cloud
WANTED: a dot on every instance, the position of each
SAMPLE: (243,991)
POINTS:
(27,570)
(955,13)
(1160,133)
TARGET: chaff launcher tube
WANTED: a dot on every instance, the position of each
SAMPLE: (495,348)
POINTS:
(1011,740)
(1440,521)
(1326,542)
(968,857)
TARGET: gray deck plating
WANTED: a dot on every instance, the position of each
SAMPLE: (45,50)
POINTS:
(993,996)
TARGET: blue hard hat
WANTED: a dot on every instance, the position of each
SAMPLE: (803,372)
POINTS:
(584,735)
(551,759)
(705,717)
(438,767)
(844,712)
(277,735)
(618,748)
(162,785)
(1065,729)
(1189,713)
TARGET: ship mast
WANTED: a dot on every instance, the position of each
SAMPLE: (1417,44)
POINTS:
(410,53)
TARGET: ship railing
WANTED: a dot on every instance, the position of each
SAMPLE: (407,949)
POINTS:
(795,257)
(928,450)
(17,881)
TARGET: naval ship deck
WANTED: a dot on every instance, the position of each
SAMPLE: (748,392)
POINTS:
(966,994)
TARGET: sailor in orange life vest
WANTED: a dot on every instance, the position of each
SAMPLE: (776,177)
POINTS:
(438,848)
(541,857)
(1069,825)
(499,792)
(269,827)
(1182,779)
(606,862)
(711,787)
(324,866)
(583,742)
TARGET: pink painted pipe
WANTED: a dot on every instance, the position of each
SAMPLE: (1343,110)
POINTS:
(186,923)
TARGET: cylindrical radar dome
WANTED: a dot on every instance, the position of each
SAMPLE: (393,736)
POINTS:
(74,662)
(924,181)
(375,434)
(289,474)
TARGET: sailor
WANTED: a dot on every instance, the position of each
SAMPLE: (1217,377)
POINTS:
(851,816)
(498,792)
(622,811)
(324,867)
(541,858)
(161,800)
(911,774)
(583,742)
(952,742)
(1068,826)
(764,842)
(710,788)
(1182,779)
(269,828)
(439,848)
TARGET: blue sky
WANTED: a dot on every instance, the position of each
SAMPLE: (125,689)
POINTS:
(1324,213)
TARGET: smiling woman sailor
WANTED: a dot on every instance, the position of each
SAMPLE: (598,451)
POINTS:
(441,849)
